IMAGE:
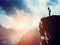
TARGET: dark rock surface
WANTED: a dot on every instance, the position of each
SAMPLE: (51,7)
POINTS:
(51,25)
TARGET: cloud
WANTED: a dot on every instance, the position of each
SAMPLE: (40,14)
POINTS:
(54,5)
(10,5)
(22,22)
(38,9)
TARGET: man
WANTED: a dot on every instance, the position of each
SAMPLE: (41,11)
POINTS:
(49,11)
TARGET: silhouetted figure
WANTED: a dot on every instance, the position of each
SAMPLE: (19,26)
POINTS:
(49,11)
(50,30)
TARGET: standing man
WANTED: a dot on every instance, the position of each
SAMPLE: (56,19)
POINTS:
(49,11)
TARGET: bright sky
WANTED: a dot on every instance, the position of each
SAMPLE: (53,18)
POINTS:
(38,9)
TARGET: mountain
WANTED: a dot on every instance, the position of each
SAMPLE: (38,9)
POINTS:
(50,28)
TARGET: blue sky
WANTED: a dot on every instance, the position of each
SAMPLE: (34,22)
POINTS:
(9,6)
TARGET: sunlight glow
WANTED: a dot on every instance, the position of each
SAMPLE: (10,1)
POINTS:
(23,21)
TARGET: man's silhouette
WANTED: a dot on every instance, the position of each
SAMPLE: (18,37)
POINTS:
(49,11)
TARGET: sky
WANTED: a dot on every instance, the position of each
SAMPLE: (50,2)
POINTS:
(35,8)
(26,14)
